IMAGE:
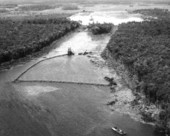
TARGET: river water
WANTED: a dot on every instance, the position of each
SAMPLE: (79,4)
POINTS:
(60,109)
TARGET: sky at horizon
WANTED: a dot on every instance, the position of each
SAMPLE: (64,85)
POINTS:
(27,1)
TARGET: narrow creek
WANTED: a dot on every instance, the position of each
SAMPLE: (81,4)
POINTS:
(73,109)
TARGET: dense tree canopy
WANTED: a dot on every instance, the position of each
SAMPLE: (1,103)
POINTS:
(145,49)
(20,38)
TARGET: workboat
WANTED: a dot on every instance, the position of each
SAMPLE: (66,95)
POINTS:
(70,52)
(119,131)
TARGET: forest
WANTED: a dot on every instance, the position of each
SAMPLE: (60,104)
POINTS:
(144,48)
(150,14)
(22,37)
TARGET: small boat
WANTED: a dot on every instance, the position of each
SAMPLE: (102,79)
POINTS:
(119,131)
(70,52)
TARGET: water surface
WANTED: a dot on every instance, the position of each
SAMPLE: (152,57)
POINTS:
(106,14)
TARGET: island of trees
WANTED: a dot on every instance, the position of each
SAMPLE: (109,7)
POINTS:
(97,28)
(19,38)
(144,49)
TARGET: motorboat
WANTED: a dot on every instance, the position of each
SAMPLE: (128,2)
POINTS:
(119,131)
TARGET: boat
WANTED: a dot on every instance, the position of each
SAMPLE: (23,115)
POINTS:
(119,131)
(70,52)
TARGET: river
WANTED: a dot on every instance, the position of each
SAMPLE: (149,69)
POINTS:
(35,106)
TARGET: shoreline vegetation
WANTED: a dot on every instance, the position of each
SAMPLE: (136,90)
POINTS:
(20,38)
(97,28)
(142,49)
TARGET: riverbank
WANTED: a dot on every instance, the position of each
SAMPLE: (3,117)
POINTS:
(131,52)
(124,99)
